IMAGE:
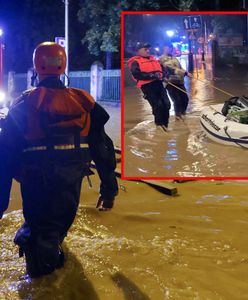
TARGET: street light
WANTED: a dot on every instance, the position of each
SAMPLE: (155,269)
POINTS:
(1,58)
(2,94)
(2,97)
(170,33)
(66,40)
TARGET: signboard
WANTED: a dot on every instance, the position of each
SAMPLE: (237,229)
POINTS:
(186,23)
(192,22)
(60,41)
(192,36)
(195,22)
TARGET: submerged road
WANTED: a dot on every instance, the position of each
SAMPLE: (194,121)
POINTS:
(184,150)
(151,246)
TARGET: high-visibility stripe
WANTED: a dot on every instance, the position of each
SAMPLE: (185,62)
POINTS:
(55,147)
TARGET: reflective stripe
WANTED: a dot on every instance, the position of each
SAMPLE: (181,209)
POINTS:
(55,147)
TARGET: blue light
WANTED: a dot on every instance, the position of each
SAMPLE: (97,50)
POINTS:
(170,33)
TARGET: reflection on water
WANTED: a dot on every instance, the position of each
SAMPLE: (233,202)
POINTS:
(184,150)
(151,246)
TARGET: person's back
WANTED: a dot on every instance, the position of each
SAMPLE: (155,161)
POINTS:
(59,130)
(147,72)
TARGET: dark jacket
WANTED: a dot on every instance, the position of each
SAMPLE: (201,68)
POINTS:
(12,143)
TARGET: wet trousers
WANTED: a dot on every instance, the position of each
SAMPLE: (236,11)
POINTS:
(179,98)
(50,188)
(156,95)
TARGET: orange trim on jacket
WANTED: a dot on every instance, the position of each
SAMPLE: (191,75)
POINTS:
(147,65)
(51,110)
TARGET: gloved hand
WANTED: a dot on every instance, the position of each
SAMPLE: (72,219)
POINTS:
(104,204)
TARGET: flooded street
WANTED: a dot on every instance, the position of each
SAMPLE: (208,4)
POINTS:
(179,235)
(150,246)
(185,150)
(191,246)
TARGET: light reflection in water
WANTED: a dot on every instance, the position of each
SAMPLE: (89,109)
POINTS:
(171,155)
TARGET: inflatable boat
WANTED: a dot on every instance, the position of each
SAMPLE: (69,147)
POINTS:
(222,130)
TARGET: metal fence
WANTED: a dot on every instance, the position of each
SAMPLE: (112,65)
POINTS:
(20,82)
(111,85)
(80,79)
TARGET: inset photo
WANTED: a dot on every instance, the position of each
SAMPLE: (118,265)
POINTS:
(185,98)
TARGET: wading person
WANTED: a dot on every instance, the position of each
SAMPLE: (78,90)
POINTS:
(174,74)
(47,142)
(147,72)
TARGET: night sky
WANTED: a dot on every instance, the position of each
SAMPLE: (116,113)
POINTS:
(27,23)
(152,28)
(206,5)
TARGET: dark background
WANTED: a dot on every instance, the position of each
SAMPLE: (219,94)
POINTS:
(26,23)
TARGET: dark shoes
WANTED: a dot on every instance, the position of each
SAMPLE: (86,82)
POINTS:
(105,204)
(37,268)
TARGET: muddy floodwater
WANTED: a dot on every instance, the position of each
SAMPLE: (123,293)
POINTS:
(151,246)
(185,150)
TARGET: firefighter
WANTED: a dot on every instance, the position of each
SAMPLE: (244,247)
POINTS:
(47,141)
(147,72)
(174,74)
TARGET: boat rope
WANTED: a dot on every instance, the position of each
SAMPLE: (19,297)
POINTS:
(208,83)
(237,143)
(182,90)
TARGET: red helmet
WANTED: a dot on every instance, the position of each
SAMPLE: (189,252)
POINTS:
(49,58)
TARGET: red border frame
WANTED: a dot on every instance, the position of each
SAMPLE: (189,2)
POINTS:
(123,13)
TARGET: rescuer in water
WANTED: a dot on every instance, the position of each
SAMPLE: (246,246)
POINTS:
(147,72)
(47,141)
(174,79)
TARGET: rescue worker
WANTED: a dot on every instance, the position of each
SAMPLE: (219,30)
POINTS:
(174,74)
(47,141)
(147,72)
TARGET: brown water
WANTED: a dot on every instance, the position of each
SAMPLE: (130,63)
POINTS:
(184,150)
(151,246)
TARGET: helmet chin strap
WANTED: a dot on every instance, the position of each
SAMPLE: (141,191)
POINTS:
(68,79)
(35,75)
(33,78)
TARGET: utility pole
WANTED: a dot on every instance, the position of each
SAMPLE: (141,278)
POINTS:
(66,39)
(205,37)
(1,59)
(190,55)
(244,4)
(203,43)
(217,5)
(245,8)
